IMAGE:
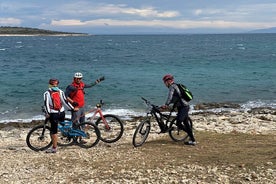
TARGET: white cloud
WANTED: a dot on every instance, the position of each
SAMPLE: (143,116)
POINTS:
(71,22)
(86,9)
(178,24)
(10,21)
(151,12)
(198,11)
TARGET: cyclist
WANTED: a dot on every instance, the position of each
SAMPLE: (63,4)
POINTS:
(182,107)
(75,95)
(55,103)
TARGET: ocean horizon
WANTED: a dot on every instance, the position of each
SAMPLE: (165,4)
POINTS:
(217,68)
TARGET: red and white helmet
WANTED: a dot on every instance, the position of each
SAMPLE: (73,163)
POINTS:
(167,77)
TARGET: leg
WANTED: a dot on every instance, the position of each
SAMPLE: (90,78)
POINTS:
(54,140)
(182,116)
(189,130)
(54,118)
(82,115)
(75,116)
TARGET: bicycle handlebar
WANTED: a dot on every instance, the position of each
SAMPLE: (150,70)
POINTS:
(150,104)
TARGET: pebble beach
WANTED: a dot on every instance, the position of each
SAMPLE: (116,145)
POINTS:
(109,163)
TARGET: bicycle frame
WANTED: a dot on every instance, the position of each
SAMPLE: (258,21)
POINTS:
(155,112)
(67,129)
(97,110)
(111,126)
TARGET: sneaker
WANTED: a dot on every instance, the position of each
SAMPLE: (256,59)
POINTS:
(51,150)
(193,143)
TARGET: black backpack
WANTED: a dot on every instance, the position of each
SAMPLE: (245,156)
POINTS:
(185,93)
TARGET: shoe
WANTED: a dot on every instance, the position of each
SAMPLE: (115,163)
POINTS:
(192,143)
(51,150)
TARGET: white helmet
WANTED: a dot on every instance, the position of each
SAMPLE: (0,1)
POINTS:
(78,75)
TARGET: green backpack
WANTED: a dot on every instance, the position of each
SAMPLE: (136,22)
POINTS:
(185,93)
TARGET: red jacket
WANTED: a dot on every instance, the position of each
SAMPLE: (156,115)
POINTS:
(78,94)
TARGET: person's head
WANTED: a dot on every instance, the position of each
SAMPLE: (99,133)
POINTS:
(53,82)
(168,79)
(77,77)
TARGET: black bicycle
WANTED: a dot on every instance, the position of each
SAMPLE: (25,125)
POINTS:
(85,135)
(143,129)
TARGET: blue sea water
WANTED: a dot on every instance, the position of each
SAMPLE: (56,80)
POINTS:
(231,68)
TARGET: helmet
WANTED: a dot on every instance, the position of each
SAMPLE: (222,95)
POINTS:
(53,81)
(78,75)
(167,77)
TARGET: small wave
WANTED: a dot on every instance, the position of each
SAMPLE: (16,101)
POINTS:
(39,117)
(259,103)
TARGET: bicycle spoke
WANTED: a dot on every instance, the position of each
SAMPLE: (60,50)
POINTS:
(111,128)
(39,139)
(92,135)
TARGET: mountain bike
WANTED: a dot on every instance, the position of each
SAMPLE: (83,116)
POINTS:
(143,129)
(110,126)
(85,135)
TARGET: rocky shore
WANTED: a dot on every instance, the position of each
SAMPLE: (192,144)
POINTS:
(233,147)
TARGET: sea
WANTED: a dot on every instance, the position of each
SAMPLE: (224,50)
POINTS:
(217,68)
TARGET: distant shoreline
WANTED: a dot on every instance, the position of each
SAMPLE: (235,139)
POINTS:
(44,35)
(23,31)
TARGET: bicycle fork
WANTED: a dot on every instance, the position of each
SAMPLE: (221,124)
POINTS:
(107,127)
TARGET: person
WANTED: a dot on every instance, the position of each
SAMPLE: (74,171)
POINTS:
(55,109)
(181,105)
(75,95)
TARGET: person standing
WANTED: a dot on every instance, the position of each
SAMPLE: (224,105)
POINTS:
(55,103)
(181,105)
(75,95)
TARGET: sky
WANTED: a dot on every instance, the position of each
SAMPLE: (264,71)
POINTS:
(140,16)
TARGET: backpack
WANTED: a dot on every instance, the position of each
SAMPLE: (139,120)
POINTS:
(185,93)
(57,104)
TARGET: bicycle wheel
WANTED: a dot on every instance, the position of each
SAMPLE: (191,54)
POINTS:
(113,130)
(141,133)
(177,134)
(39,138)
(91,135)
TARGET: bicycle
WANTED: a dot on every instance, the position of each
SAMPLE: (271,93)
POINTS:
(143,129)
(110,126)
(85,135)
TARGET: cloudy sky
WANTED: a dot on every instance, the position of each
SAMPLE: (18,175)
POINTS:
(140,16)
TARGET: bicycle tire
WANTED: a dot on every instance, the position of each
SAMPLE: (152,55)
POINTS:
(141,133)
(177,134)
(92,137)
(39,138)
(114,131)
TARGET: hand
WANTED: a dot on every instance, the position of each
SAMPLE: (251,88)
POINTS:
(47,115)
(100,79)
(164,106)
(76,109)
(75,104)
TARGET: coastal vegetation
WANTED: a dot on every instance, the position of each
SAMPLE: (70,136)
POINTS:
(6,30)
